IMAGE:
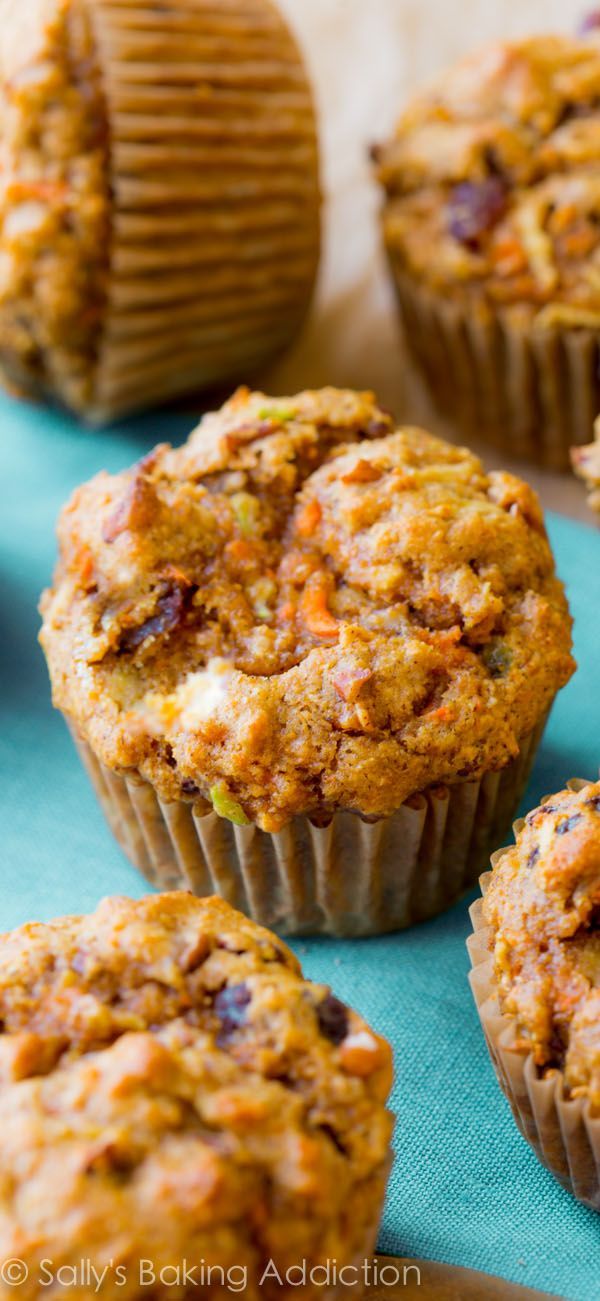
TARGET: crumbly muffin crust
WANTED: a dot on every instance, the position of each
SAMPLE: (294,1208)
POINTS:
(305,609)
(493,180)
(543,906)
(586,463)
(172,1089)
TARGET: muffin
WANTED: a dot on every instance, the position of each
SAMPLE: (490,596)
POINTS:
(586,463)
(159,210)
(536,953)
(307,657)
(492,228)
(174,1091)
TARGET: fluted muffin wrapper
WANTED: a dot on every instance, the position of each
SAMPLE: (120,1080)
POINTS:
(215,197)
(530,391)
(563,1134)
(352,877)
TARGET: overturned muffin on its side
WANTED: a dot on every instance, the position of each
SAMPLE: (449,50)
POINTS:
(306,611)
(172,1090)
(159,197)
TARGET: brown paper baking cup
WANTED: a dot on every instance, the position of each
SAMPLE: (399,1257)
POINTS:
(560,1129)
(531,392)
(213,176)
(352,877)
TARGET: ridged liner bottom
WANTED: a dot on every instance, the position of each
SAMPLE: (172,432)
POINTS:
(213,173)
(350,878)
(561,1131)
(531,393)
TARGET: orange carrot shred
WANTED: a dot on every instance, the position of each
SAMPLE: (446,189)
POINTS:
(84,564)
(46,190)
(362,472)
(579,241)
(509,256)
(315,614)
(442,715)
(307,518)
(239,549)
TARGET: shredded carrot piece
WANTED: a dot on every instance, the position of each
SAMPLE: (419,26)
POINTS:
(307,518)
(442,715)
(579,241)
(239,549)
(239,397)
(445,639)
(315,614)
(362,472)
(562,217)
(84,563)
(46,190)
(508,257)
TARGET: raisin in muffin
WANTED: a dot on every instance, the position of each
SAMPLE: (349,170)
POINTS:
(172,1090)
(539,919)
(492,227)
(586,463)
(159,202)
(305,611)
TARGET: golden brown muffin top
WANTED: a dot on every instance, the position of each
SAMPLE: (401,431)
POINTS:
(586,463)
(543,905)
(171,1087)
(303,609)
(493,178)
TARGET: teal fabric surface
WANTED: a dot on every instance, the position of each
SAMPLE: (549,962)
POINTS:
(465,1187)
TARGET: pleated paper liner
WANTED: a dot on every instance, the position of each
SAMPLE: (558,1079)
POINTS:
(352,877)
(563,1134)
(530,392)
(215,195)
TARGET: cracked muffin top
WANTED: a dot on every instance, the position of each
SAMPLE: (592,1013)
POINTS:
(493,178)
(304,608)
(586,463)
(173,1088)
(543,905)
